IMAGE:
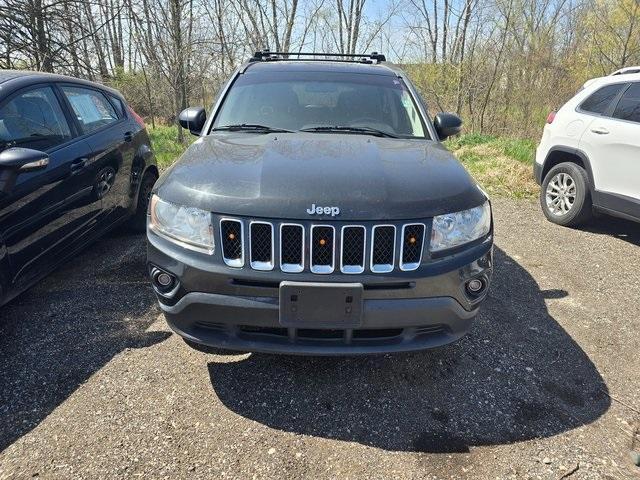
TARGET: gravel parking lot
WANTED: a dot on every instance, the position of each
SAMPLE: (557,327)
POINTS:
(93,384)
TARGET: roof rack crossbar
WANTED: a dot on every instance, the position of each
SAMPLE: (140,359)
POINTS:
(626,70)
(267,56)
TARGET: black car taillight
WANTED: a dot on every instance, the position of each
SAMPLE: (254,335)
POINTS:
(139,120)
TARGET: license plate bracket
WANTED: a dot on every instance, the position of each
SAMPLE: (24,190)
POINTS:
(320,305)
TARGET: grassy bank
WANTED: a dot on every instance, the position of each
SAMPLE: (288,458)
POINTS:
(502,166)
(165,144)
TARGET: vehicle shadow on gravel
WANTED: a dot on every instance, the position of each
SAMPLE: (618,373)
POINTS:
(60,332)
(517,376)
(616,227)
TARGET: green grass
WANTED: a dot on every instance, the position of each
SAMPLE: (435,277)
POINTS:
(502,166)
(165,144)
(469,140)
(519,149)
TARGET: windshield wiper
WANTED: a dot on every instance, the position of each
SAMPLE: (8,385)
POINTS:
(344,128)
(250,127)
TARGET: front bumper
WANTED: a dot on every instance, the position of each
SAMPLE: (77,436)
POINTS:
(238,309)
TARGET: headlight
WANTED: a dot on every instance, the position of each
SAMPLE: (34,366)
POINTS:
(454,229)
(188,225)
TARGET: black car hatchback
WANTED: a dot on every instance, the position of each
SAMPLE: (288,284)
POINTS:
(319,213)
(75,161)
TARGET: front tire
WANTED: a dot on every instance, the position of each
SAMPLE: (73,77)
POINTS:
(138,223)
(565,196)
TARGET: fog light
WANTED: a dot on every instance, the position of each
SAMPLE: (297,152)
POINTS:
(164,279)
(164,283)
(475,286)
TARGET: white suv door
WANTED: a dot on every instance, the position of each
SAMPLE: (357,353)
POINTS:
(612,143)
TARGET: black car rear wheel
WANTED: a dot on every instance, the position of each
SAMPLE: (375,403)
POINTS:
(138,222)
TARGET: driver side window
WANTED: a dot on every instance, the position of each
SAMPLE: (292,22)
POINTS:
(33,119)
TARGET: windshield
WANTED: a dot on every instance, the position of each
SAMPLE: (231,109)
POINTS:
(308,100)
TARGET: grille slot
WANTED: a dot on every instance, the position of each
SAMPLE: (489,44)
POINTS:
(412,245)
(321,247)
(383,244)
(291,248)
(261,245)
(322,250)
(231,233)
(353,249)
(429,330)
(376,333)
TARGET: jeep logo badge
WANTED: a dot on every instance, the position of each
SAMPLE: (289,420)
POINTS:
(318,210)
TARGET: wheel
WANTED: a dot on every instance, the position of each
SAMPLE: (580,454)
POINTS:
(104,182)
(565,196)
(138,222)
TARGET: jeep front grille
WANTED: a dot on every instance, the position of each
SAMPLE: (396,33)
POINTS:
(231,233)
(411,246)
(291,248)
(322,252)
(261,246)
(383,248)
(353,248)
(322,249)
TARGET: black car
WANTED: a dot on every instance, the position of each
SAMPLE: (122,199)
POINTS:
(75,161)
(319,213)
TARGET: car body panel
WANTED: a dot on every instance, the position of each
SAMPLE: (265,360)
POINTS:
(46,211)
(614,147)
(367,177)
(51,214)
(237,308)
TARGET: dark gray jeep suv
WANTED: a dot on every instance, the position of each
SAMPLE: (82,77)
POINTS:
(318,213)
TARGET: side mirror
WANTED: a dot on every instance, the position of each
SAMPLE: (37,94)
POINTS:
(23,159)
(16,160)
(193,119)
(447,124)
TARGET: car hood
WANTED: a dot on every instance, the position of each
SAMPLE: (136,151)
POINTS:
(282,175)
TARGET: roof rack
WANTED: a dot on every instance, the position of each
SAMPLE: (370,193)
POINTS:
(626,70)
(269,56)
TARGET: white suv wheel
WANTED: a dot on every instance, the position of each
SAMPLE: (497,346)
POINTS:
(565,196)
(561,194)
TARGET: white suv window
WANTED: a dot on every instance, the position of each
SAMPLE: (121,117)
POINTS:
(629,105)
(600,100)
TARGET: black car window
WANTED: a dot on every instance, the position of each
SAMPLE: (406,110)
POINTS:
(629,105)
(117,103)
(33,119)
(599,101)
(92,109)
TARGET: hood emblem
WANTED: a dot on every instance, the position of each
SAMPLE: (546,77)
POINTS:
(318,210)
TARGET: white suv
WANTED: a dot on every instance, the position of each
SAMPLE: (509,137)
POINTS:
(589,155)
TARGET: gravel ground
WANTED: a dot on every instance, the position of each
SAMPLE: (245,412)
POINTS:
(94,385)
